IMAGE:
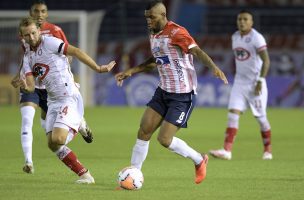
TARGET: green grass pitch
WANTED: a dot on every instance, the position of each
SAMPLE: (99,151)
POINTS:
(167,175)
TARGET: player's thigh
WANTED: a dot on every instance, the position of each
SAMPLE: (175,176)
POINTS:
(71,113)
(150,121)
(180,109)
(42,101)
(29,99)
(237,98)
(68,112)
(166,132)
(258,103)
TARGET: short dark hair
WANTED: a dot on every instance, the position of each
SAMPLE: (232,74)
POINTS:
(151,4)
(246,11)
(35,2)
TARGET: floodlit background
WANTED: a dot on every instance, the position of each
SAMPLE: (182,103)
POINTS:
(119,33)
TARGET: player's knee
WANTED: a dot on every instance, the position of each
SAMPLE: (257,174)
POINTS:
(264,123)
(164,141)
(55,141)
(144,133)
(52,146)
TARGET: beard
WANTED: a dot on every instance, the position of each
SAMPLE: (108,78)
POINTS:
(156,29)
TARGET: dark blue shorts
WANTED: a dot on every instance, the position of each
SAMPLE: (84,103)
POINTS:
(38,97)
(175,108)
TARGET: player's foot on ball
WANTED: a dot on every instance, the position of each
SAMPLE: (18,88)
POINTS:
(86,132)
(86,178)
(201,169)
(221,153)
(28,168)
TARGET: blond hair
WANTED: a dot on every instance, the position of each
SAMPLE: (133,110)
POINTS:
(25,22)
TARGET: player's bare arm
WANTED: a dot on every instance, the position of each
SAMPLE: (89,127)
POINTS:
(16,78)
(27,84)
(264,71)
(147,65)
(206,60)
(86,59)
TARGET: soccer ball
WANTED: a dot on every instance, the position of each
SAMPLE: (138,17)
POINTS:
(130,178)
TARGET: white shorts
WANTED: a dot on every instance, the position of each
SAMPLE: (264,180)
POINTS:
(65,113)
(243,95)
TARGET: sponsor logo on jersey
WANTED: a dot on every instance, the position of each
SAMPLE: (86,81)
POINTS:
(241,54)
(162,60)
(40,70)
(179,69)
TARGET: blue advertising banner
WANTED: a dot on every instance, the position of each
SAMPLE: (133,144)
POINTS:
(138,90)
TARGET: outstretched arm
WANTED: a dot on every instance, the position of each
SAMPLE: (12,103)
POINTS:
(206,60)
(86,59)
(147,65)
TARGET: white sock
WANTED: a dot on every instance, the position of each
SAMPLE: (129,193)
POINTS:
(42,122)
(264,123)
(180,147)
(139,153)
(27,115)
(233,120)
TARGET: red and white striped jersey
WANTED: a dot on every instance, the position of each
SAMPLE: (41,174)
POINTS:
(49,30)
(50,66)
(246,51)
(170,48)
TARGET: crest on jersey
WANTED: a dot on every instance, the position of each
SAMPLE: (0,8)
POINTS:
(241,54)
(248,39)
(40,70)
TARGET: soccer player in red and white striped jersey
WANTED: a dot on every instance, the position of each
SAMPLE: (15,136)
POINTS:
(172,50)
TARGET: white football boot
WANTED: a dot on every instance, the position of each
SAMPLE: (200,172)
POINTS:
(86,178)
(221,153)
(267,156)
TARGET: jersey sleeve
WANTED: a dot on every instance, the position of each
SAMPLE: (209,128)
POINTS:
(183,39)
(56,45)
(260,43)
(58,33)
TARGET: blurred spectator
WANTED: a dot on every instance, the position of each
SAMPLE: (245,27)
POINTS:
(285,66)
(295,86)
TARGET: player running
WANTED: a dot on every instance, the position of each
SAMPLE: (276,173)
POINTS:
(169,109)
(30,101)
(46,61)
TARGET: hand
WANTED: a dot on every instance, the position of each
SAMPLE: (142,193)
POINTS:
(107,68)
(14,81)
(258,88)
(120,77)
(22,84)
(219,74)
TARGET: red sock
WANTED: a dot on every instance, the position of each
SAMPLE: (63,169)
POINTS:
(229,138)
(266,136)
(67,156)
